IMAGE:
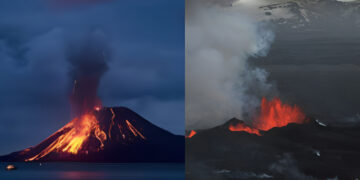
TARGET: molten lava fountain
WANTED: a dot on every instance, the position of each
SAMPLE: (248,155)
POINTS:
(276,114)
(273,113)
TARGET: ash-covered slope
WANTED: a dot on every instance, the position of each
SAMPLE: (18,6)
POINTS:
(114,135)
(306,15)
(296,151)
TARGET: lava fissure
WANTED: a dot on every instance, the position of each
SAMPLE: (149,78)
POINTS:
(273,113)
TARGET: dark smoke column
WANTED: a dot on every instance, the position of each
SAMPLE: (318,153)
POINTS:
(88,60)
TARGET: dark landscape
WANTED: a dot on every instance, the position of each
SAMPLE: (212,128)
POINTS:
(297,151)
(313,62)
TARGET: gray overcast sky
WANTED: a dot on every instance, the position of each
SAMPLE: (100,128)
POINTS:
(318,71)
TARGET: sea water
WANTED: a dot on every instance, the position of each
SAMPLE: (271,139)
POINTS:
(89,171)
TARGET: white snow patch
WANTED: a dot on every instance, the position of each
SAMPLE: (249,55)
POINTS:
(317,153)
(320,123)
(346,0)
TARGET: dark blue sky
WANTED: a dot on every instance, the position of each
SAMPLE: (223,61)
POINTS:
(146,66)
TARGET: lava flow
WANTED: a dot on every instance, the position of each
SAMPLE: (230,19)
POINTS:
(191,134)
(74,134)
(77,132)
(273,113)
(244,127)
(85,133)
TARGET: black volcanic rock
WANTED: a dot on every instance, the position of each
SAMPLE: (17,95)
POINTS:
(130,138)
(296,151)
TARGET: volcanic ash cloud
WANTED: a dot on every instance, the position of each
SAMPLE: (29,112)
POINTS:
(220,82)
(88,59)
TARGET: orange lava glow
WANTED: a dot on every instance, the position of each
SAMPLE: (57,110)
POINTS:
(85,133)
(134,130)
(244,127)
(112,121)
(191,134)
(274,113)
(76,133)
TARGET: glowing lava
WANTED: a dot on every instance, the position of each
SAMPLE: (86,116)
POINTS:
(134,130)
(76,133)
(273,113)
(191,134)
(112,121)
(244,127)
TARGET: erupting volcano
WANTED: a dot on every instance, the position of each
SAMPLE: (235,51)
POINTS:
(281,136)
(101,134)
(273,113)
(77,132)
(105,134)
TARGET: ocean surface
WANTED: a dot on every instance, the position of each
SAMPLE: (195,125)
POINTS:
(89,171)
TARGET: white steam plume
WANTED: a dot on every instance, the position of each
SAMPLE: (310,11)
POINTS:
(220,83)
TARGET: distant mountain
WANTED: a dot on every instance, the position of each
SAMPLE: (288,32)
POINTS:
(306,13)
(310,151)
(116,135)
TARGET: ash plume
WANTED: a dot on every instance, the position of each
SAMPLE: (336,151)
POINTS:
(88,60)
(220,82)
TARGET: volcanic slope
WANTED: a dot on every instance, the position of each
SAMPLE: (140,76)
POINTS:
(311,150)
(109,134)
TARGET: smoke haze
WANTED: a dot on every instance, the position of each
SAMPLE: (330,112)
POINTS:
(220,83)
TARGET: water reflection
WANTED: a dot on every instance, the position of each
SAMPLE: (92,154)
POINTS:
(81,175)
(94,171)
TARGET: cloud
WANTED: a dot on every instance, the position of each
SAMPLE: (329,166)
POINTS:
(220,82)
